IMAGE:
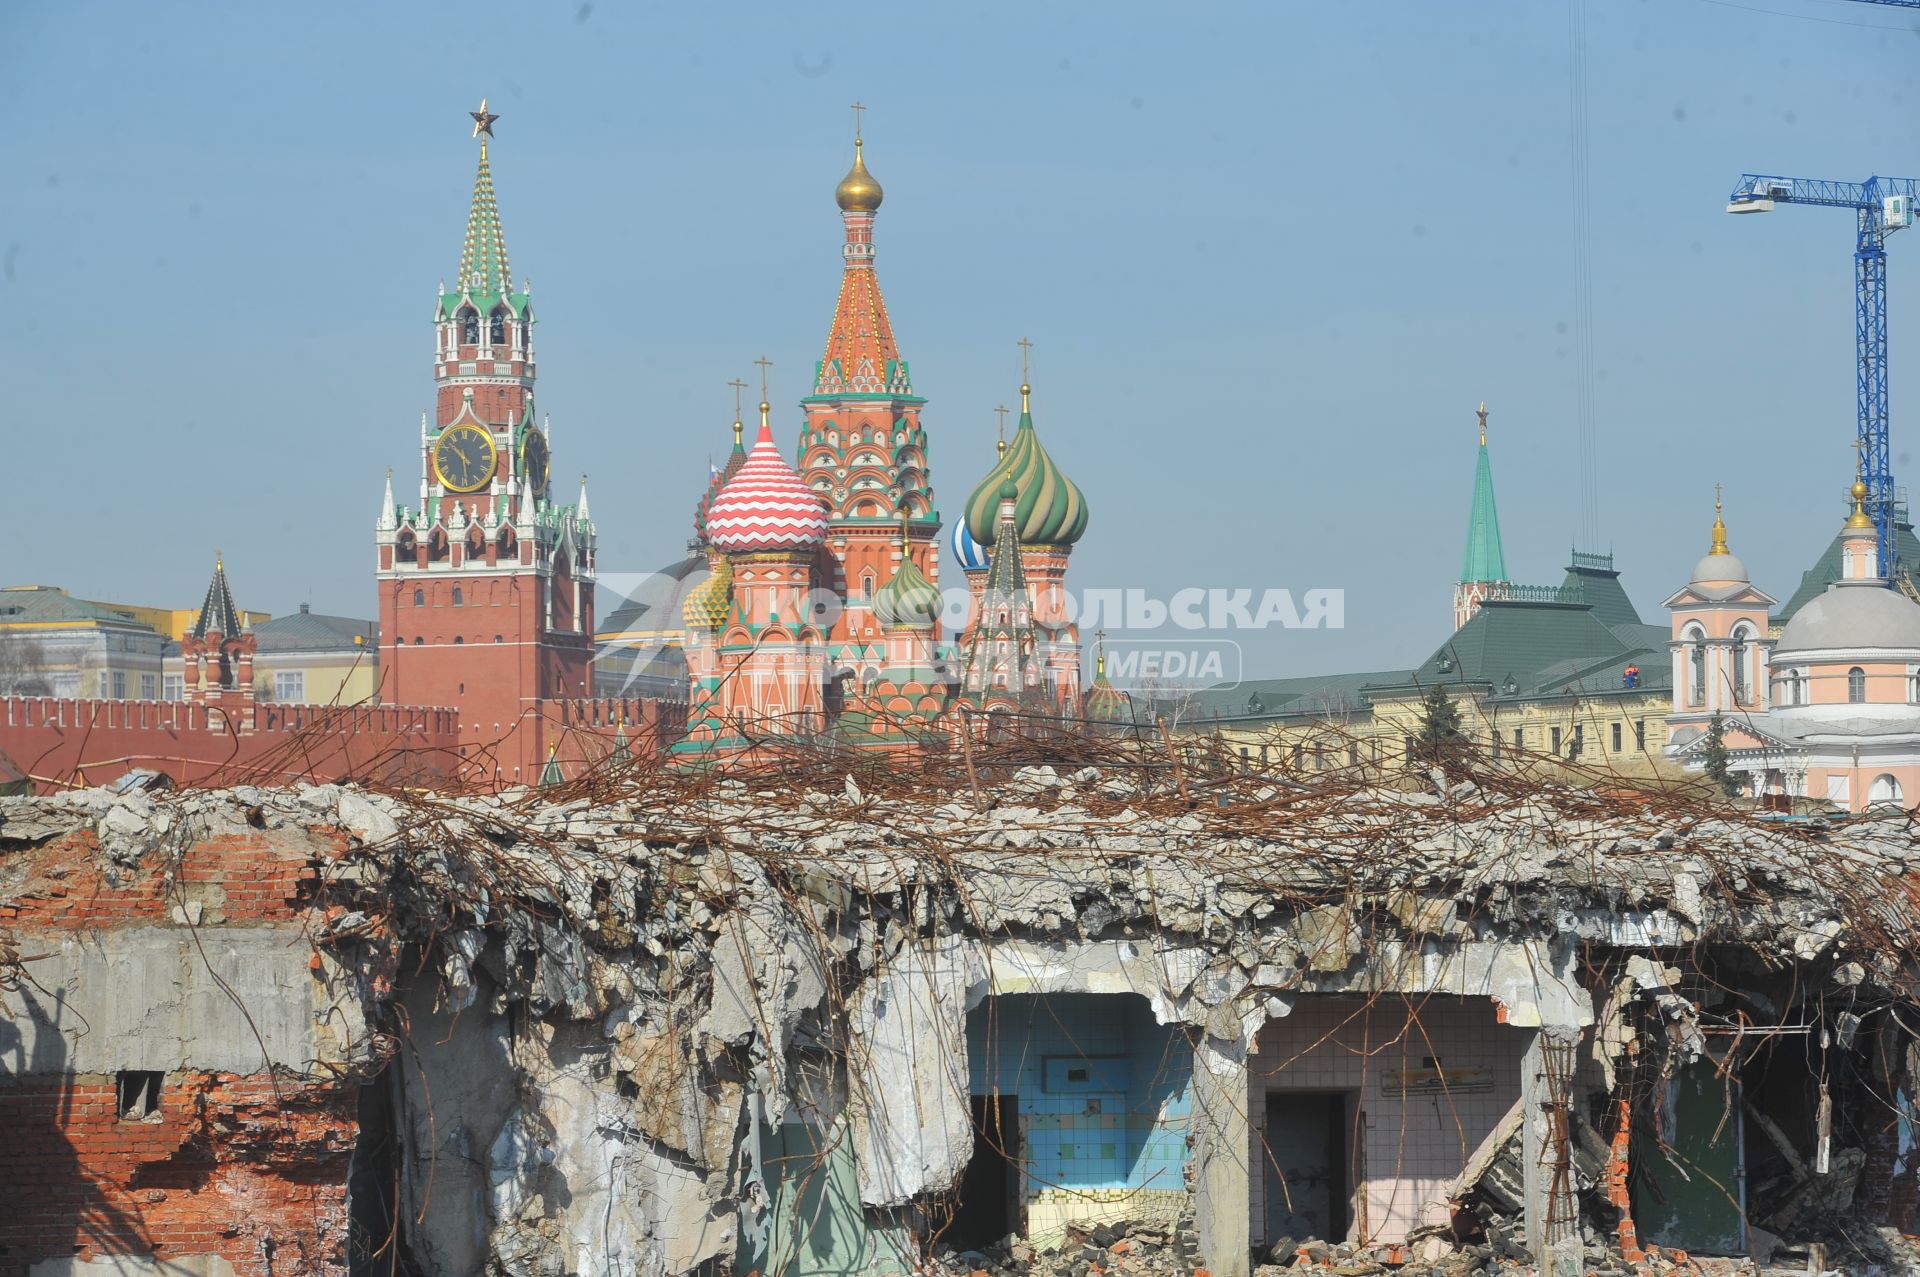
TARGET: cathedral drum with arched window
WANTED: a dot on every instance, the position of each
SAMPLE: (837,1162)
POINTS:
(1839,717)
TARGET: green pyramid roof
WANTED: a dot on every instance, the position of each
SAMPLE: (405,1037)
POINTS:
(1484,559)
(485,275)
(217,612)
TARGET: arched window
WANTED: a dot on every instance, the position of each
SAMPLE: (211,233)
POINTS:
(1885,789)
(419,598)
(417,640)
(497,328)
(866,584)
(458,597)
(1740,665)
(1696,668)
(470,327)
(1856,686)
(459,639)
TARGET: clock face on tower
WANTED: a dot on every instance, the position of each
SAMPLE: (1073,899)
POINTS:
(535,462)
(463,458)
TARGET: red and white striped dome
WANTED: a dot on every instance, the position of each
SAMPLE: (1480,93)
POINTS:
(765,506)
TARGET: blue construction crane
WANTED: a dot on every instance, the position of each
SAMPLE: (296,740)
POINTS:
(1881,205)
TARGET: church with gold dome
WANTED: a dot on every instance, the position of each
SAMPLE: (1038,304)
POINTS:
(1829,707)
(820,614)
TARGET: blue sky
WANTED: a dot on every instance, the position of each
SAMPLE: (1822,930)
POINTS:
(1271,257)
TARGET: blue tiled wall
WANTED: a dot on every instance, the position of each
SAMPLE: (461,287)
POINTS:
(1124,1124)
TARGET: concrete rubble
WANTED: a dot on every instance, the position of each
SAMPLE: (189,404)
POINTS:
(581,1025)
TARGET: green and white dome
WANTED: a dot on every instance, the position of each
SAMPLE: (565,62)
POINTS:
(1049,507)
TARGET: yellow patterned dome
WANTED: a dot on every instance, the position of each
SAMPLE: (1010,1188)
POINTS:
(707,606)
(858,192)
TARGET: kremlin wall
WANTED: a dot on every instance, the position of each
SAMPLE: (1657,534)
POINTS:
(809,612)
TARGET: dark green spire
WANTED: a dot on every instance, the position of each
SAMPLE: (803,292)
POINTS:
(218,613)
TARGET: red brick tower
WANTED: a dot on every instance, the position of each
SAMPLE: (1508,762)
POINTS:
(486,589)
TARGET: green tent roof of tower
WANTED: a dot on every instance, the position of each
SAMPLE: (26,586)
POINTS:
(1484,559)
(217,612)
(486,277)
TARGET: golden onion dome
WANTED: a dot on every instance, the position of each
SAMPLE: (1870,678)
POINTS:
(710,602)
(1859,518)
(858,192)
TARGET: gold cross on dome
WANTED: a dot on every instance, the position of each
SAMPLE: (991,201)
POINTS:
(765,364)
(483,120)
(1026,348)
(1859,457)
(1002,410)
(738,386)
(857,108)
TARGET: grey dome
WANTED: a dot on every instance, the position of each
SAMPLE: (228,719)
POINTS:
(1720,567)
(1863,615)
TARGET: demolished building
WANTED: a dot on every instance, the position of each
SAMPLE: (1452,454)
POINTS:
(815,1022)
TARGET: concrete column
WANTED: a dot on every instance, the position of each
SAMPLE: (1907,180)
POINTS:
(1546,1090)
(1222,1201)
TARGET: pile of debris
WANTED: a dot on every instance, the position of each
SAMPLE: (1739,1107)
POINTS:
(597,1007)
(1123,1248)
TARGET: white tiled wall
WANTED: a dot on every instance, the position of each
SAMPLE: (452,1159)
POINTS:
(1413,1148)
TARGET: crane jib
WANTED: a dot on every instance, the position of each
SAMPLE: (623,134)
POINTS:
(1881,206)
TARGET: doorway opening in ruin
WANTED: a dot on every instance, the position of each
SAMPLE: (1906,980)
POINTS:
(1309,1174)
(376,1236)
(1755,1137)
(1690,1189)
(987,1206)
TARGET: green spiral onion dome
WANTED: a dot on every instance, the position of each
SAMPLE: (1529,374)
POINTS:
(1049,507)
(1104,703)
(909,600)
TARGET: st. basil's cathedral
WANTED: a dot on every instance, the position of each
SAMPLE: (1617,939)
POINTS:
(821,612)
(820,615)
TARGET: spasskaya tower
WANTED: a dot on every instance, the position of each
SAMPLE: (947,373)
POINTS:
(486,586)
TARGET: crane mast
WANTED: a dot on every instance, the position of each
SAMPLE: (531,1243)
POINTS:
(1881,206)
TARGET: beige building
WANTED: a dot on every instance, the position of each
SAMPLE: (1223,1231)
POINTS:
(1568,674)
(52,644)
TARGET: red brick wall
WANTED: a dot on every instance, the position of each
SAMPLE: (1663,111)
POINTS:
(261,878)
(95,742)
(249,1167)
(226,1167)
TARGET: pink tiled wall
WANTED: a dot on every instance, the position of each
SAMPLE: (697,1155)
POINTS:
(1412,1148)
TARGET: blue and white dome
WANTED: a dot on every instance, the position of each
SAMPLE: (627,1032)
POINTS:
(972,555)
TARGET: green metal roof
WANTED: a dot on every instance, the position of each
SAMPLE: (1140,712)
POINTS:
(1600,587)
(307,631)
(1484,559)
(1315,695)
(46,603)
(1826,570)
(1517,639)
